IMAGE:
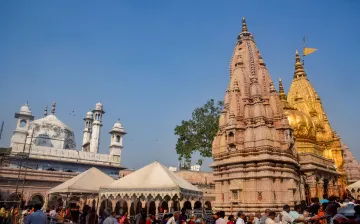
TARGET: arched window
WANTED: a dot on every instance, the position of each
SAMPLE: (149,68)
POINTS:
(117,138)
(22,123)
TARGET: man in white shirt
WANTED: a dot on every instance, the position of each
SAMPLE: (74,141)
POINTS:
(270,218)
(220,218)
(286,217)
(173,219)
(265,216)
(240,219)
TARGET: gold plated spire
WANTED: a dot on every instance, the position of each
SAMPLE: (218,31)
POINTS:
(282,94)
(244,27)
(299,68)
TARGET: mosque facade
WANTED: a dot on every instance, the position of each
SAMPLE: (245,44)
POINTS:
(52,154)
(271,148)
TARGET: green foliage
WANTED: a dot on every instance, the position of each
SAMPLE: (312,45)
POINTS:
(197,134)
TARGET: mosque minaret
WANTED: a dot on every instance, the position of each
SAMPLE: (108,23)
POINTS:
(96,127)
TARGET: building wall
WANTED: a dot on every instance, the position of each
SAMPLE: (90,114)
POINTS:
(202,180)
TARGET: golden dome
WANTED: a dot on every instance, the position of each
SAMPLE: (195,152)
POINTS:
(303,125)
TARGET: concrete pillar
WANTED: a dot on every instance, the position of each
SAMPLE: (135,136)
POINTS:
(157,202)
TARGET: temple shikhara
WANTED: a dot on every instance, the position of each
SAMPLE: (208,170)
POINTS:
(271,148)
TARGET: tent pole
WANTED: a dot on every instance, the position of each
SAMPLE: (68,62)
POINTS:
(97,206)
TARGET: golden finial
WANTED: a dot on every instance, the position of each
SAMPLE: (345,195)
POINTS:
(299,68)
(282,94)
(244,27)
(53,108)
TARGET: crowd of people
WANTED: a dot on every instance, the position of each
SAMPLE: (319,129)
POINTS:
(326,211)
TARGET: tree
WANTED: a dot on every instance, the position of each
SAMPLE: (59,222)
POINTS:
(197,134)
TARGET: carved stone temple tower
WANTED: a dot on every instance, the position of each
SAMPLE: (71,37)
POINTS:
(255,165)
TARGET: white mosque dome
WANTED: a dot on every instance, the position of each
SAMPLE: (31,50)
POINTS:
(51,132)
(118,127)
(25,110)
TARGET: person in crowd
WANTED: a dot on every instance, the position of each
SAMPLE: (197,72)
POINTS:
(124,219)
(321,216)
(265,216)
(296,213)
(2,214)
(165,219)
(92,217)
(220,218)
(174,219)
(257,218)
(192,219)
(315,206)
(270,218)
(83,215)
(250,220)
(137,218)
(109,217)
(286,218)
(303,205)
(241,217)
(182,217)
(335,218)
(231,219)
(75,213)
(37,217)
(52,212)
(357,213)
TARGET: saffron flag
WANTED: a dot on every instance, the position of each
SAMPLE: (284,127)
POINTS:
(308,51)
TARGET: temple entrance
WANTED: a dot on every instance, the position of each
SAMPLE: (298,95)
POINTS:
(326,184)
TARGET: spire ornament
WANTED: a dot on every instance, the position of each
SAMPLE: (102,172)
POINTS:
(53,108)
(244,27)
(299,68)
(282,94)
(46,111)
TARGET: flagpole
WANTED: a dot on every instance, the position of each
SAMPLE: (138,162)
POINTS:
(304,51)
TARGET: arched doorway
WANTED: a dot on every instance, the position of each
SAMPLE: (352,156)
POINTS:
(208,205)
(37,198)
(132,209)
(164,207)
(53,201)
(105,204)
(121,207)
(152,208)
(138,207)
(187,205)
(198,205)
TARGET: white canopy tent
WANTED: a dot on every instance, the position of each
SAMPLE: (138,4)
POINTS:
(154,179)
(354,189)
(88,182)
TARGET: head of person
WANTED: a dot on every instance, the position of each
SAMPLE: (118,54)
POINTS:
(166,217)
(251,218)
(297,208)
(37,207)
(286,208)
(113,214)
(357,210)
(241,214)
(267,212)
(216,215)
(331,209)
(272,215)
(231,218)
(176,215)
(183,211)
(258,214)
(222,214)
(324,206)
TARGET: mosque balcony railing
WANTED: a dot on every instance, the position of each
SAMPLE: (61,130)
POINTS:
(41,152)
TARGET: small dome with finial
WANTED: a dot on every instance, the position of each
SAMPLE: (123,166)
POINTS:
(25,109)
(118,128)
(99,106)
(89,114)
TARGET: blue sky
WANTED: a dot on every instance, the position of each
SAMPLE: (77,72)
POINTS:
(152,62)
